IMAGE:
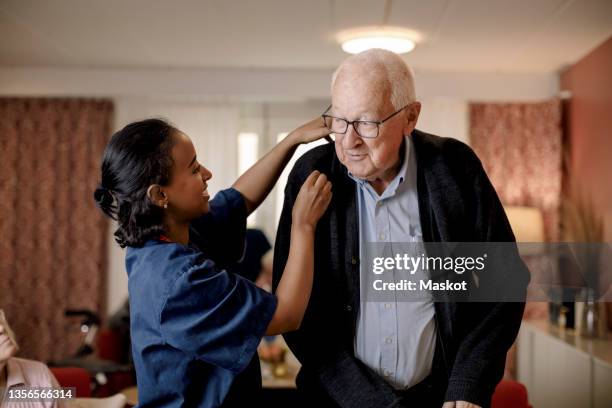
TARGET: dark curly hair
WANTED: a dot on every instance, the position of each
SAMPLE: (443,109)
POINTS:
(136,157)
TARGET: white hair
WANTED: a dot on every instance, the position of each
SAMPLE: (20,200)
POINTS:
(398,74)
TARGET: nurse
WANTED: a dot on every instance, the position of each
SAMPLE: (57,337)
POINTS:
(195,327)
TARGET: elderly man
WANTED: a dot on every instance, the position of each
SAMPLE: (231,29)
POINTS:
(393,183)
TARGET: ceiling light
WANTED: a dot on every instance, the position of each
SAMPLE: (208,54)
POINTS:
(393,39)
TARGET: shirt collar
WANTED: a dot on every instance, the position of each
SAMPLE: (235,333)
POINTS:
(401,175)
(14,374)
(398,179)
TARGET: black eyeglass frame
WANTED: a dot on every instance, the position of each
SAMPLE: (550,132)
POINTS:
(376,122)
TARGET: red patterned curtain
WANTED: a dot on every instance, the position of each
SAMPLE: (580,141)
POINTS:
(520,145)
(52,237)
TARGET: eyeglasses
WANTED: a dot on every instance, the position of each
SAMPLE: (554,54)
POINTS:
(367,129)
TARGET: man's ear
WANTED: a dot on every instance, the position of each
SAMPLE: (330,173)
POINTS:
(414,111)
(157,196)
(412,115)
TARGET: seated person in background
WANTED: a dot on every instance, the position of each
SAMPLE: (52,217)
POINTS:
(264,280)
(119,322)
(256,246)
(19,373)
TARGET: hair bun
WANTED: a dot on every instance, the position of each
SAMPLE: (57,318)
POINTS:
(105,200)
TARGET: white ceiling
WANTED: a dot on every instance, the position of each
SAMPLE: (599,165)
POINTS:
(535,36)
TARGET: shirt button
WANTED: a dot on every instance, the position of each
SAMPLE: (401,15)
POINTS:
(388,340)
(354,261)
(348,308)
(382,237)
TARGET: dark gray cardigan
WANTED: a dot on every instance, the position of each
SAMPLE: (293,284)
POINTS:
(457,203)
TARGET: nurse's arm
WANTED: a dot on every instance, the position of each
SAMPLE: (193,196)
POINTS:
(293,291)
(257,182)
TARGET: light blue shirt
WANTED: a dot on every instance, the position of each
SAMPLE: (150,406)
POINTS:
(394,338)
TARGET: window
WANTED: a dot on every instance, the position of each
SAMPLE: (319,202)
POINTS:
(248,153)
(282,181)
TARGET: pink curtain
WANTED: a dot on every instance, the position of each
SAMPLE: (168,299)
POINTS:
(520,145)
(52,237)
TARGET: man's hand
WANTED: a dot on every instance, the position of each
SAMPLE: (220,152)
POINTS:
(459,404)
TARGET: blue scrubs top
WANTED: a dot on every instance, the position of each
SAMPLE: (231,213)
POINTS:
(194,326)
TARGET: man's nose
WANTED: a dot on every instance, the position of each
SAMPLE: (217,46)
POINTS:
(351,138)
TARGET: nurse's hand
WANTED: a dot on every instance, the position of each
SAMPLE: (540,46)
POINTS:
(257,182)
(312,201)
(309,132)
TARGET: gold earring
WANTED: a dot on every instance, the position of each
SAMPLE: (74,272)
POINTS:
(165,205)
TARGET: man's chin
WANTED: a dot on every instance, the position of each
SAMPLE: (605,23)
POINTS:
(358,169)
(360,172)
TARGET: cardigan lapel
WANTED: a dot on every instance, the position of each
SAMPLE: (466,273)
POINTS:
(345,226)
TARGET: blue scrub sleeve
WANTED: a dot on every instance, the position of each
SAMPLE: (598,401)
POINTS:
(216,316)
(220,233)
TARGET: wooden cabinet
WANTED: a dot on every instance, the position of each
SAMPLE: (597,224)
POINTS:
(562,370)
